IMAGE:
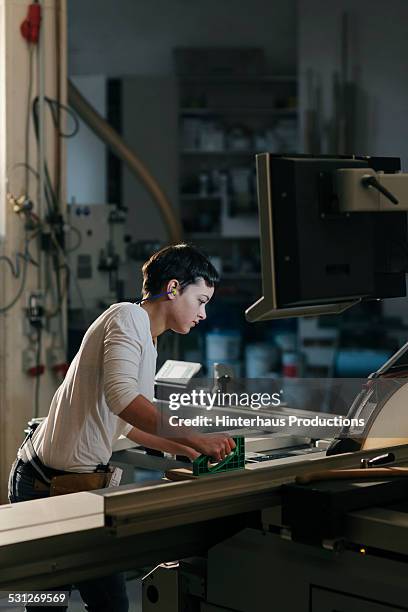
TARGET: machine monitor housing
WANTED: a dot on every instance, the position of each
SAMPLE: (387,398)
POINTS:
(317,259)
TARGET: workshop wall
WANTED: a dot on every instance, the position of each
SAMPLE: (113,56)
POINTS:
(377,59)
(135,43)
(86,155)
(135,40)
(128,37)
(23,395)
(151,129)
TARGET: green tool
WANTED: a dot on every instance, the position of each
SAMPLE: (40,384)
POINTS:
(234,461)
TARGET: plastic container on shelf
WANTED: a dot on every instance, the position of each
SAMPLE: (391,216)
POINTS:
(290,364)
(212,136)
(223,345)
(286,341)
(190,133)
(260,359)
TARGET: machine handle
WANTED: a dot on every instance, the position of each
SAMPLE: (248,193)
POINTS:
(371,181)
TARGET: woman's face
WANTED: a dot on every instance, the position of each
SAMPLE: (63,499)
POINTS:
(187,309)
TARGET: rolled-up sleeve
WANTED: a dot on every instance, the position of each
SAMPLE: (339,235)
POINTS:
(123,350)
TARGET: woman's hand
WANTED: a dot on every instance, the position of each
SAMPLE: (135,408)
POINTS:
(191,453)
(217,446)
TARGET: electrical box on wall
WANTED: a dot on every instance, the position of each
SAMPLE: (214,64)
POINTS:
(96,253)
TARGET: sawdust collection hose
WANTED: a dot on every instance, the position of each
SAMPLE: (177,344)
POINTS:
(116,143)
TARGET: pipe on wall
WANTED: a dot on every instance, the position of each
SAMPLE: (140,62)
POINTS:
(116,143)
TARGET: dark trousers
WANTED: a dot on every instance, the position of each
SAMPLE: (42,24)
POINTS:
(104,594)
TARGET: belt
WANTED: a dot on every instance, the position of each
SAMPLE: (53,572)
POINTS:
(76,481)
(43,473)
(47,471)
(39,485)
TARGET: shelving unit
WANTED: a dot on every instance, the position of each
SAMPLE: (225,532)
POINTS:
(224,121)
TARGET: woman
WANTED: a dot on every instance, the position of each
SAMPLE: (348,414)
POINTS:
(108,391)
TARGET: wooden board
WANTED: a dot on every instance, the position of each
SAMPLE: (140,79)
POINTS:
(180,474)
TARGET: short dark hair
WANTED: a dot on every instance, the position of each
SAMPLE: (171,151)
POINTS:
(182,261)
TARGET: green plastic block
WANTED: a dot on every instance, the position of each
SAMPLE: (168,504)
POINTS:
(234,461)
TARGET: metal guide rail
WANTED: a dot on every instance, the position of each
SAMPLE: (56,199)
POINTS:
(130,510)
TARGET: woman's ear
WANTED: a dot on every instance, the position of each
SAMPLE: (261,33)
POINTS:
(172,291)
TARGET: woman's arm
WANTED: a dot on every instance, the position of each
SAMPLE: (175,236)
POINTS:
(161,444)
(123,348)
(142,414)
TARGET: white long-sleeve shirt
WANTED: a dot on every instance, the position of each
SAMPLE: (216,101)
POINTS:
(115,363)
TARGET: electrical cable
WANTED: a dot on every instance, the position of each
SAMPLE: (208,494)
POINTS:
(27,124)
(32,260)
(57,18)
(27,167)
(4,309)
(153,297)
(15,269)
(37,378)
(26,260)
(25,256)
(24,205)
(57,268)
(55,107)
(53,313)
(52,195)
(158,295)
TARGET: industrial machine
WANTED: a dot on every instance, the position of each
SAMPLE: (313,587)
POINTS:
(304,510)
(328,238)
(241,539)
